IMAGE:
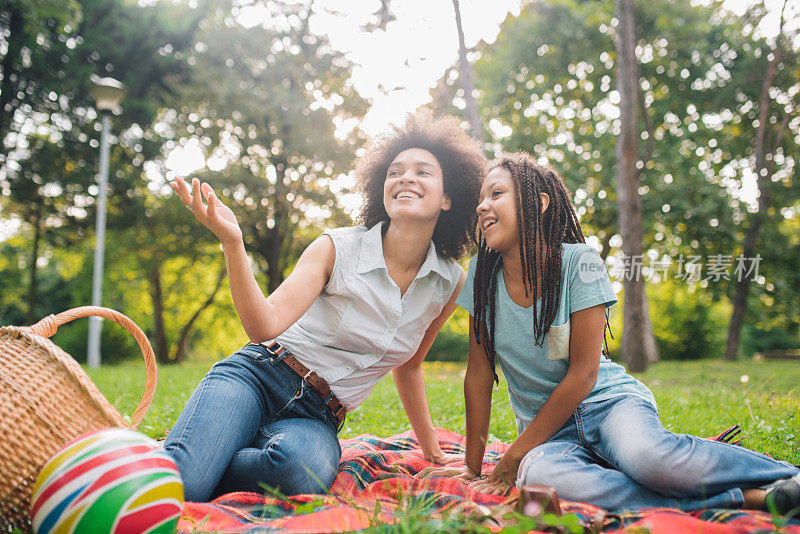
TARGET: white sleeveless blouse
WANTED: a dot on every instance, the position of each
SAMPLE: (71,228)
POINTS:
(360,328)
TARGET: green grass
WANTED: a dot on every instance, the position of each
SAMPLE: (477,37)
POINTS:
(699,397)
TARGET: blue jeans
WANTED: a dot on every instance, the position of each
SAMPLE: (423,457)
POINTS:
(616,454)
(252,421)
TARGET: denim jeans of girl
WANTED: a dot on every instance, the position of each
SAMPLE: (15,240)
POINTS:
(253,421)
(616,454)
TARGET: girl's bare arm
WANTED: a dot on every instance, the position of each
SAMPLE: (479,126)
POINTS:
(585,342)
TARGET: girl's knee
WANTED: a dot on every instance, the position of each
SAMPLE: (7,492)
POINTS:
(543,464)
(659,470)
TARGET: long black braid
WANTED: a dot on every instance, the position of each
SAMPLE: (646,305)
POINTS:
(540,239)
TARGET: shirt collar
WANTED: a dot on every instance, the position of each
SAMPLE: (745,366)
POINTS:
(371,256)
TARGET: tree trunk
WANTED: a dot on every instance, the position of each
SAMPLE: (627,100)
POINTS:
(465,71)
(160,334)
(638,343)
(33,289)
(384,14)
(15,40)
(272,248)
(181,349)
(763,179)
(605,245)
(742,290)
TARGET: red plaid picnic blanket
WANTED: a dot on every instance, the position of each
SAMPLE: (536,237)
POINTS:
(375,484)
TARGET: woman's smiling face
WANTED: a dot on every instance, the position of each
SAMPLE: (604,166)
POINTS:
(414,188)
(497,211)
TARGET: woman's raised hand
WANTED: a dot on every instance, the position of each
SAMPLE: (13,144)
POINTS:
(214,215)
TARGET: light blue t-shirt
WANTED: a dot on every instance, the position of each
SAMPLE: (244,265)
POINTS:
(534,371)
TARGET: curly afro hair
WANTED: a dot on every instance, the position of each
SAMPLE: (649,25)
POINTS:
(463,167)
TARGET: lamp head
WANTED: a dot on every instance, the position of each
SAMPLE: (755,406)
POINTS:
(108,93)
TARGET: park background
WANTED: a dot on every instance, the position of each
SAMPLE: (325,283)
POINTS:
(271,101)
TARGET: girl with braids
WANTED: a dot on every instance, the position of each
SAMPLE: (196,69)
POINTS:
(362,301)
(537,296)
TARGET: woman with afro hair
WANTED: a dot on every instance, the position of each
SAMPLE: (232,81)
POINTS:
(361,301)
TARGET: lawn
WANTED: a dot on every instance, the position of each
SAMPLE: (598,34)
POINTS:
(698,397)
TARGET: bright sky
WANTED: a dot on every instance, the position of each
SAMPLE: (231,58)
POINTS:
(398,67)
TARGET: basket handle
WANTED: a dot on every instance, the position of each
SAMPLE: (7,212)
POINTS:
(48,326)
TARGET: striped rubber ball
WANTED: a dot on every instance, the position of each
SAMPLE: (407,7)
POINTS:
(109,481)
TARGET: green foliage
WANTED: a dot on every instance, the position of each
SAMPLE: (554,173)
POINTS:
(12,300)
(32,32)
(116,344)
(687,322)
(548,86)
(47,181)
(773,320)
(452,342)
(558,96)
(264,101)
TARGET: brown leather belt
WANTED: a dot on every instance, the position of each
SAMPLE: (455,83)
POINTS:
(311,378)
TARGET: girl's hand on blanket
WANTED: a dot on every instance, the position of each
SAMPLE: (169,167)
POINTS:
(214,215)
(462,472)
(500,479)
(493,483)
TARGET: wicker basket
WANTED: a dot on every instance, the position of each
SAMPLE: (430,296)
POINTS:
(46,400)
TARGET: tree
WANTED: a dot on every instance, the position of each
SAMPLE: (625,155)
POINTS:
(48,192)
(774,310)
(383,16)
(29,30)
(465,70)
(638,343)
(267,104)
(776,107)
(163,241)
(547,84)
(48,179)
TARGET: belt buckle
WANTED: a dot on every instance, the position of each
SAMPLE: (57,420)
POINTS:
(270,351)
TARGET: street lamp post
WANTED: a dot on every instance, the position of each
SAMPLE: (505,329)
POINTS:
(108,93)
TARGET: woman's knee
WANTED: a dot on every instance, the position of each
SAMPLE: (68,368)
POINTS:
(296,456)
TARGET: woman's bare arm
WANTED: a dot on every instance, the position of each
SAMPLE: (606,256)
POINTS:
(410,385)
(263,317)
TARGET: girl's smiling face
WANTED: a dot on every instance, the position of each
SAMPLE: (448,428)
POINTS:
(413,188)
(497,211)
